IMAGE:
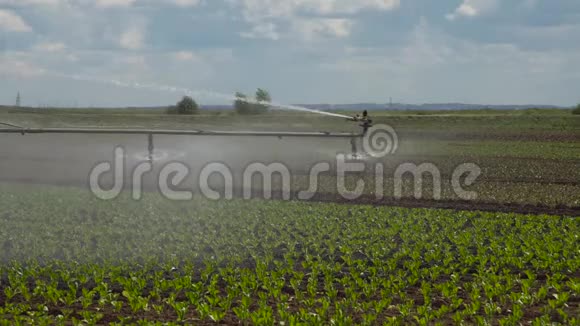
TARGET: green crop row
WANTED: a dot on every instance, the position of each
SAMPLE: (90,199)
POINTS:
(68,258)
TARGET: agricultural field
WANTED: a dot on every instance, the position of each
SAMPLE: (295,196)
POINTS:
(509,257)
(68,258)
(285,163)
(507,124)
(527,157)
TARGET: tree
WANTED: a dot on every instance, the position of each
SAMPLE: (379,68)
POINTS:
(262,96)
(243,105)
(576,109)
(187,106)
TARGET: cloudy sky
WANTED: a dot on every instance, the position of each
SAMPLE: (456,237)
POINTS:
(303,51)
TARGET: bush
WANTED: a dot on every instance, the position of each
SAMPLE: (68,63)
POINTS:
(241,105)
(186,106)
(576,109)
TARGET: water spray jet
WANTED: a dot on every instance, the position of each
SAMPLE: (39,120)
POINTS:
(151,154)
(196,93)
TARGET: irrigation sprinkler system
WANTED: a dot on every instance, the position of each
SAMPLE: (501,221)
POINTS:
(366,123)
(199,133)
(23,131)
(10,125)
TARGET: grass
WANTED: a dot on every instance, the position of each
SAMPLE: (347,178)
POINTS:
(163,110)
(70,258)
(532,121)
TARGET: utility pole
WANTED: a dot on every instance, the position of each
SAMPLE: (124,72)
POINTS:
(18,100)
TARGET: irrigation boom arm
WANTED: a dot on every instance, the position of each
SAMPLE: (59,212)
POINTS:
(10,125)
(20,130)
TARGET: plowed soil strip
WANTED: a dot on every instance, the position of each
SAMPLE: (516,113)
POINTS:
(458,205)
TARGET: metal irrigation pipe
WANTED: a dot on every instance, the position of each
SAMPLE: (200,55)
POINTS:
(10,125)
(20,130)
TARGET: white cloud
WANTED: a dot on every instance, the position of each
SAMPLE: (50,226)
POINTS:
(305,18)
(136,60)
(72,57)
(473,8)
(530,4)
(113,3)
(9,21)
(349,6)
(30,2)
(20,68)
(96,3)
(259,9)
(185,3)
(470,70)
(305,29)
(185,56)
(50,46)
(425,62)
(567,33)
(424,49)
(132,38)
(262,30)
(312,29)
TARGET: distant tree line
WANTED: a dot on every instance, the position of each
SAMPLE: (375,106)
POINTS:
(242,104)
(576,109)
